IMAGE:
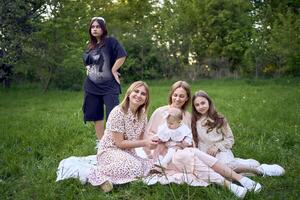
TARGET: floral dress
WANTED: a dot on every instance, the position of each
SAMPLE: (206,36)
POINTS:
(117,165)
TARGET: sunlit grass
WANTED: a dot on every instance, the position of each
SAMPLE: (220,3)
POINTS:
(38,130)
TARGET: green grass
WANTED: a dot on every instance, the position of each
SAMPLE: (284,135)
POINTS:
(38,130)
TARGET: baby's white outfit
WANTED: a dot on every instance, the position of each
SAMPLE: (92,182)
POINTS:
(172,137)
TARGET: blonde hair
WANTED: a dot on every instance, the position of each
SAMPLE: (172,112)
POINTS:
(176,113)
(142,109)
(186,87)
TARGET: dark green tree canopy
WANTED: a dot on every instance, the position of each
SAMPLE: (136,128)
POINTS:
(44,39)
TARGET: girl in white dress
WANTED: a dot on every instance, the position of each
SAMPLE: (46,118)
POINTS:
(212,134)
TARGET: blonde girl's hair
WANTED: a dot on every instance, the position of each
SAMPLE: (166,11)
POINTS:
(186,87)
(142,109)
(176,113)
(218,120)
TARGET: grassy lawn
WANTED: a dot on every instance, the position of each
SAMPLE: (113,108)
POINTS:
(38,130)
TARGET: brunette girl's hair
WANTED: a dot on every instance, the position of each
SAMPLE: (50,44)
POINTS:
(142,110)
(93,41)
(218,120)
(186,87)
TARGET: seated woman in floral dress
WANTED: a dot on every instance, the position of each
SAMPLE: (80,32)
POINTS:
(117,162)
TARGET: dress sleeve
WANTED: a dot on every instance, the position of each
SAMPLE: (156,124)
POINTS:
(162,133)
(155,121)
(116,121)
(187,118)
(228,139)
(189,136)
(87,58)
(145,120)
(199,134)
(145,124)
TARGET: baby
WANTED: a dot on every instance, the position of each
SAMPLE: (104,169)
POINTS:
(174,133)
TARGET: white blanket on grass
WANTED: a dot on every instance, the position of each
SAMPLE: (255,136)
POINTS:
(79,167)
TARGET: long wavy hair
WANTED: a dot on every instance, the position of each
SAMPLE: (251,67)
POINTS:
(186,87)
(93,40)
(218,121)
(142,109)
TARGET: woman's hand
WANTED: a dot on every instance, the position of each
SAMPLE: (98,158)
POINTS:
(88,68)
(151,142)
(114,70)
(116,74)
(185,144)
(182,145)
(213,151)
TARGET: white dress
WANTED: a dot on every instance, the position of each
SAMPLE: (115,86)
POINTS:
(172,137)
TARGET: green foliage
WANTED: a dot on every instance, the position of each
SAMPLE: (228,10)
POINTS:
(44,40)
(38,130)
(54,51)
(273,52)
(284,44)
(144,60)
(215,30)
(17,18)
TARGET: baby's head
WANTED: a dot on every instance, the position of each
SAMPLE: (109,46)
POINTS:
(174,118)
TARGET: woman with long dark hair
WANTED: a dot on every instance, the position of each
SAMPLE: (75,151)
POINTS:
(213,135)
(103,58)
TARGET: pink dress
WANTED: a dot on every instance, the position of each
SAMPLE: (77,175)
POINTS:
(157,119)
(120,165)
(189,165)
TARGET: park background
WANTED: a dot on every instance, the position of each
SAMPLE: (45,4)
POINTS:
(245,54)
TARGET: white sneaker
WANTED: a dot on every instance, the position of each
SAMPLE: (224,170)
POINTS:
(238,191)
(151,179)
(251,185)
(250,163)
(271,170)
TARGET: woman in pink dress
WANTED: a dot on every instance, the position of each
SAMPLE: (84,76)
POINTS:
(190,165)
(117,162)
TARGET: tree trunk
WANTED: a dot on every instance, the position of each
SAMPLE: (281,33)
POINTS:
(46,87)
(256,68)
